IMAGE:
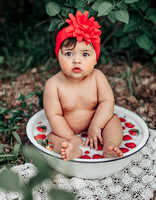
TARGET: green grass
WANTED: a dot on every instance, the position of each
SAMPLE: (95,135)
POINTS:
(11,143)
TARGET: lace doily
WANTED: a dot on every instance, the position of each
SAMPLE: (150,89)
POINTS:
(137,181)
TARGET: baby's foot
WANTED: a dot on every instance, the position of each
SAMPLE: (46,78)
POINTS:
(69,151)
(112,151)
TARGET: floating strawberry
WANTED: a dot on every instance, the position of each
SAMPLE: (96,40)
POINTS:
(129,125)
(40,137)
(86,152)
(41,128)
(134,131)
(124,150)
(130,145)
(85,157)
(100,147)
(122,119)
(127,137)
(97,156)
(84,135)
(39,122)
(50,146)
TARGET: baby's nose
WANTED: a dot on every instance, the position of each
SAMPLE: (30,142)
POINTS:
(76,59)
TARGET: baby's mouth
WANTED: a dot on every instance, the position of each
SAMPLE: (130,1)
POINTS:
(76,69)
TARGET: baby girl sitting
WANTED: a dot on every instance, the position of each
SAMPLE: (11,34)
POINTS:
(79,98)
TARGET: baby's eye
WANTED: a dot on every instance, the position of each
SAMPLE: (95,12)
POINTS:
(85,54)
(68,54)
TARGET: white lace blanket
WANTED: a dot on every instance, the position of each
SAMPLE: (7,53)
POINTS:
(136,182)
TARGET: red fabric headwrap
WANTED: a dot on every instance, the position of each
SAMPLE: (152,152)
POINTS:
(81,28)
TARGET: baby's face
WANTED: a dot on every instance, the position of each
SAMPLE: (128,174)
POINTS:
(79,62)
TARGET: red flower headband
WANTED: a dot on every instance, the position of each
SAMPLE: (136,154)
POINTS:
(81,28)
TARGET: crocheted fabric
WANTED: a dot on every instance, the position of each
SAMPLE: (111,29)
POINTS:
(137,181)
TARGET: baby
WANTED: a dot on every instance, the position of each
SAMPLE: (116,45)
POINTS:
(79,98)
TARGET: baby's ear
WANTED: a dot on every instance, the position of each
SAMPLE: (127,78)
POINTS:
(95,62)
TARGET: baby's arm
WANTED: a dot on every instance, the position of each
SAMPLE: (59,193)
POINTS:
(53,110)
(104,111)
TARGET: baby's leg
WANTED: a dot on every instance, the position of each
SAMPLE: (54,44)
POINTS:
(67,149)
(112,138)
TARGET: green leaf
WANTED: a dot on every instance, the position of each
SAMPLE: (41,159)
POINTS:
(10,181)
(61,195)
(52,8)
(16,150)
(153,18)
(131,26)
(150,11)
(111,17)
(105,8)
(53,24)
(130,1)
(124,43)
(15,134)
(122,15)
(60,24)
(144,42)
(152,49)
(97,4)
(122,6)
(1,59)
(143,4)
(80,4)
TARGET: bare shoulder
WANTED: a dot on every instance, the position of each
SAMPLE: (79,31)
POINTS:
(99,75)
(54,81)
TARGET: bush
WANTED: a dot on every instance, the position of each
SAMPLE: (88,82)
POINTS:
(128,26)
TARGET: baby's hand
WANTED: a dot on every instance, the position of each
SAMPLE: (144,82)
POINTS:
(77,140)
(94,134)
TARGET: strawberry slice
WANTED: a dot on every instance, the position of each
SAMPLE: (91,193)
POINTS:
(124,150)
(129,125)
(134,131)
(122,119)
(100,147)
(40,137)
(97,156)
(127,137)
(130,145)
(84,135)
(123,128)
(49,147)
(85,157)
(86,152)
(41,128)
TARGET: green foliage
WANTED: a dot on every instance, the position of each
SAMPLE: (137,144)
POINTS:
(10,180)
(24,40)
(128,26)
(9,128)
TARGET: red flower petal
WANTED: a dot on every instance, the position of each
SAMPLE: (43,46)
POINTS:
(129,125)
(97,156)
(122,119)
(127,137)
(124,150)
(100,147)
(86,152)
(85,157)
(84,135)
(130,145)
